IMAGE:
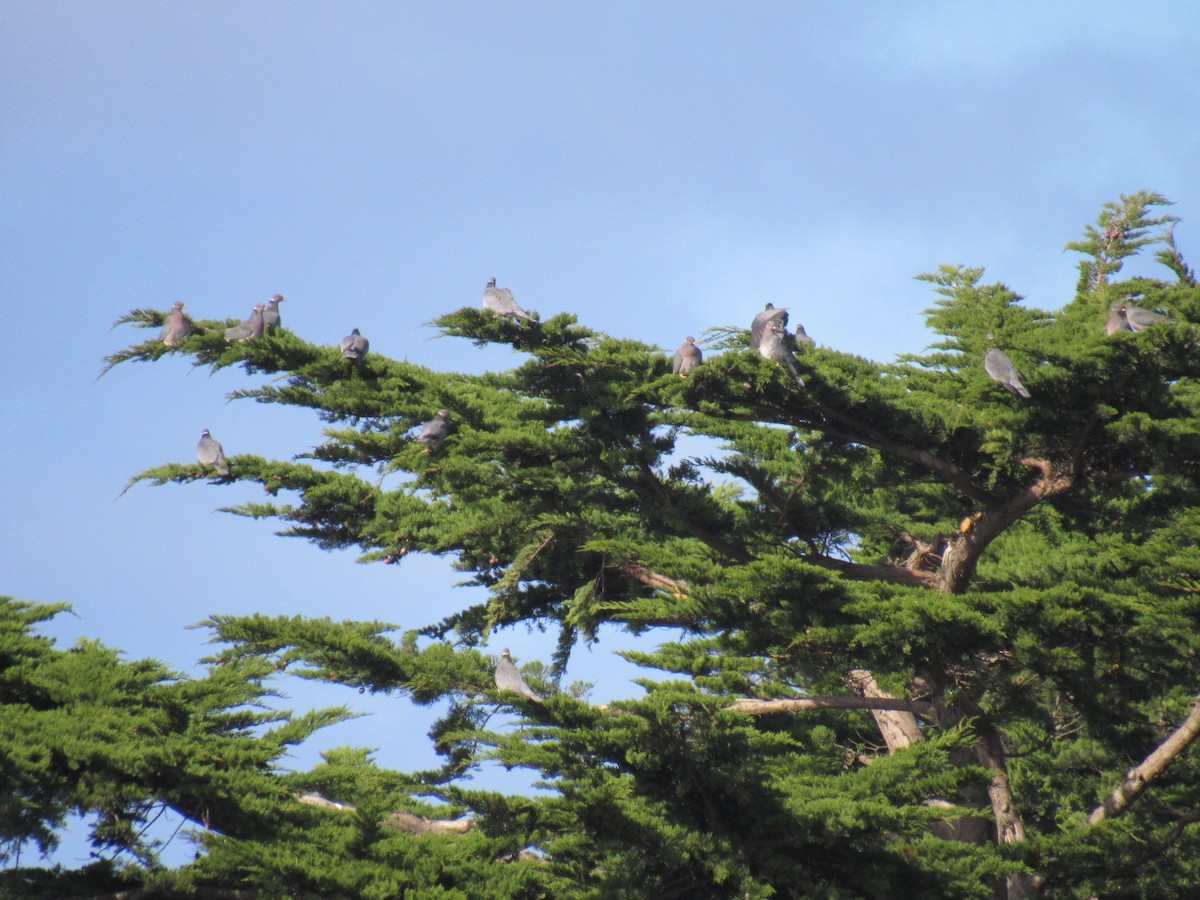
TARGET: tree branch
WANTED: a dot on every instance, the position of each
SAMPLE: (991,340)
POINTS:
(398,820)
(890,572)
(897,725)
(752,707)
(962,553)
(1139,777)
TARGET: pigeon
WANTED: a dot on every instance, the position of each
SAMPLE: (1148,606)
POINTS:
(759,326)
(434,432)
(355,346)
(803,341)
(210,453)
(1116,320)
(501,302)
(508,678)
(271,319)
(1000,369)
(176,328)
(251,328)
(773,346)
(1140,319)
(687,358)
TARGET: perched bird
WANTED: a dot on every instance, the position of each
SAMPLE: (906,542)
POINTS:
(501,302)
(773,346)
(1000,369)
(803,341)
(355,347)
(687,358)
(252,328)
(271,319)
(1116,320)
(434,432)
(508,678)
(1140,319)
(210,453)
(176,328)
(759,326)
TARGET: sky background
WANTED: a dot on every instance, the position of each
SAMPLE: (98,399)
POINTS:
(656,168)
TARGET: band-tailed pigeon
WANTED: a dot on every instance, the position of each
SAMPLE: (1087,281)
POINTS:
(508,678)
(251,329)
(1116,320)
(773,346)
(687,358)
(355,347)
(803,341)
(271,319)
(1000,369)
(433,433)
(759,326)
(501,301)
(210,453)
(177,327)
(1140,319)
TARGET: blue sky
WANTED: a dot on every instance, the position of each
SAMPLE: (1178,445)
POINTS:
(656,168)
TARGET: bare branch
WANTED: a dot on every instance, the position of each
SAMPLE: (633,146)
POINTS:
(398,820)
(898,726)
(752,707)
(679,587)
(1139,777)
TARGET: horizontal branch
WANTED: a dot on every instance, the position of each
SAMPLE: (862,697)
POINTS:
(753,707)
(398,820)
(1151,767)
(892,573)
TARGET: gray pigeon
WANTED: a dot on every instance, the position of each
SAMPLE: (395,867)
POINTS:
(210,453)
(1001,370)
(251,329)
(759,326)
(1140,319)
(1116,320)
(355,346)
(687,358)
(803,341)
(434,432)
(176,328)
(271,319)
(508,678)
(501,302)
(773,346)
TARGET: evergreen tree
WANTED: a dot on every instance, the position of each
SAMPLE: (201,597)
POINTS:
(937,638)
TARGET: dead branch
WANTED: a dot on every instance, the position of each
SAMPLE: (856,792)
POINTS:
(646,576)
(897,725)
(1139,777)
(752,707)
(397,820)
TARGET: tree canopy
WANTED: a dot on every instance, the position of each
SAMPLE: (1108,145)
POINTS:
(930,633)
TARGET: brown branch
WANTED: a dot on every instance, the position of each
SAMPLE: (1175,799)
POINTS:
(1139,777)
(861,434)
(398,820)
(653,579)
(890,572)
(963,552)
(752,707)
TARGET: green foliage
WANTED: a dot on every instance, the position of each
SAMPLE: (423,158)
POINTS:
(1023,574)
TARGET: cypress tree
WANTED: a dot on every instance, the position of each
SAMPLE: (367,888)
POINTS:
(934,637)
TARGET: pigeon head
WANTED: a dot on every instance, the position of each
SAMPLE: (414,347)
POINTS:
(277,298)
(504,654)
(443,414)
(689,340)
(491,282)
(205,433)
(179,304)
